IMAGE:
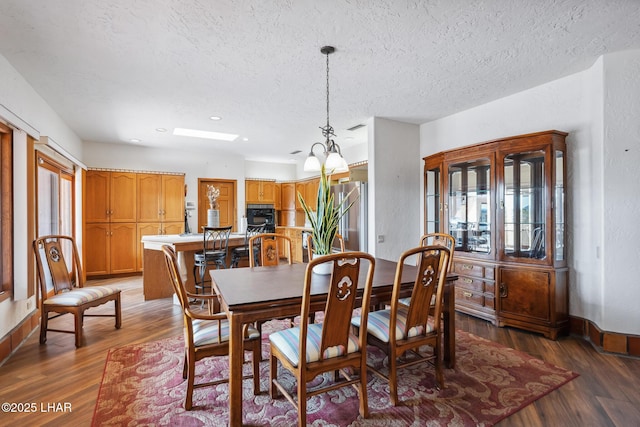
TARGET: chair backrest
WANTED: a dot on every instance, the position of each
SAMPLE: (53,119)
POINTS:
(54,271)
(171,259)
(442,239)
(430,279)
(310,246)
(269,249)
(341,299)
(252,230)
(216,238)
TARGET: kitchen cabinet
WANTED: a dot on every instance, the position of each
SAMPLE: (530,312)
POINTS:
(504,203)
(110,248)
(260,191)
(288,195)
(110,196)
(278,197)
(120,207)
(160,197)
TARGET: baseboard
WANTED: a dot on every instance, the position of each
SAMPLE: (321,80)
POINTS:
(12,341)
(609,342)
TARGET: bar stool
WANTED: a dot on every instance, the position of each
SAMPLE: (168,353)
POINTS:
(213,253)
(243,251)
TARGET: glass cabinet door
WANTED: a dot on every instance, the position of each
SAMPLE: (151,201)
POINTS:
(559,215)
(525,205)
(469,205)
(432,201)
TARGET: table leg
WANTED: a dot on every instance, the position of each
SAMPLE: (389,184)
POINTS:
(449,318)
(236,357)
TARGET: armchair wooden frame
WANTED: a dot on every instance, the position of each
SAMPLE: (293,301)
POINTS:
(204,333)
(67,280)
(270,249)
(417,324)
(334,347)
(443,239)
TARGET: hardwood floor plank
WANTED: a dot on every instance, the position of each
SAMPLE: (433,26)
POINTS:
(605,394)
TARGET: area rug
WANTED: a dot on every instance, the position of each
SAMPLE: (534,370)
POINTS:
(142,385)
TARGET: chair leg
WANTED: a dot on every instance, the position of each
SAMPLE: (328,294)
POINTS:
(302,400)
(44,321)
(191,373)
(393,380)
(79,317)
(118,311)
(273,375)
(364,401)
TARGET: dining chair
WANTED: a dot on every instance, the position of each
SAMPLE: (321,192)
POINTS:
(442,239)
(312,349)
(241,252)
(270,247)
(310,246)
(415,325)
(213,253)
(206,334)
(66,280)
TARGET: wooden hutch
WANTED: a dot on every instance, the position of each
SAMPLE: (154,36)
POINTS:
(504,202)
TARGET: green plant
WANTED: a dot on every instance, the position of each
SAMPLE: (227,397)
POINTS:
(324,221)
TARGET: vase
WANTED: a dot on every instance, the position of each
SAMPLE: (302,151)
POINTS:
(322,269)
(213,218)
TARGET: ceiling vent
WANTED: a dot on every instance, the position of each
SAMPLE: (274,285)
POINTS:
(356,127)
(296,152)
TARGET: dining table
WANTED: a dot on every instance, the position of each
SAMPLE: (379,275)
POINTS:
(249,295)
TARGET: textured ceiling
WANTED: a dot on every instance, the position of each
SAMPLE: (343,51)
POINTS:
(117,70)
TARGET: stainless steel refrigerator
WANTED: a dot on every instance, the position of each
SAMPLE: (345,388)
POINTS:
(353,226)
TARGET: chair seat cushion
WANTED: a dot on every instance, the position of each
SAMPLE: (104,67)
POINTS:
(407,300)
(287,342)
(209,255)
(205,332)
(80,296)
(378,324)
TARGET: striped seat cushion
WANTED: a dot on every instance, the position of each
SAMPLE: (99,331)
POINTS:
(407,300)
(378,324)
(287,342)
(205,332)
(80,296)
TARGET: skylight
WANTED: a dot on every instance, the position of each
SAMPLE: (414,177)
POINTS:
(205,134)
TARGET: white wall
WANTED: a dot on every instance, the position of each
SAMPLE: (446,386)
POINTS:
(621,165)
(277,171)
(574,104)
(394,187)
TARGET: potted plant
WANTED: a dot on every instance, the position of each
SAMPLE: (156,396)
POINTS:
(325,219)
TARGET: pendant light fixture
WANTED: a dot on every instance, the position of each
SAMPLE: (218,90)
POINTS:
(332,156)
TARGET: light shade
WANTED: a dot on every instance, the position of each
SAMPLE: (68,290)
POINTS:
(312,164)
(334,161)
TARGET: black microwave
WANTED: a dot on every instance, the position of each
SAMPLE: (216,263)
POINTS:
(262,214)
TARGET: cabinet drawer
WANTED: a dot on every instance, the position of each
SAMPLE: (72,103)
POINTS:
(470,284)
(489,273)
(467,297)
(468,269)
(489,302)
(490,287)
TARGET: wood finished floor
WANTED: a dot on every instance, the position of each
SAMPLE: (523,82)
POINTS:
(607,393)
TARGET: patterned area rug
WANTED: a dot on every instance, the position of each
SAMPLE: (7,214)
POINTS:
(143,385)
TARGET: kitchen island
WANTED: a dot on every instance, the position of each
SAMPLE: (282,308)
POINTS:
(155,277)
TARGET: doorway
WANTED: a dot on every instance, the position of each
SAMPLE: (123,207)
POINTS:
(226,202)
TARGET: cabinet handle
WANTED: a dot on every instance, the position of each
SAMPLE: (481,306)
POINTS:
(504,290)
(467,267)
(467,294)
(467,280)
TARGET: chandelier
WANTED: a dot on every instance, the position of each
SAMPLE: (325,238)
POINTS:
(331,154)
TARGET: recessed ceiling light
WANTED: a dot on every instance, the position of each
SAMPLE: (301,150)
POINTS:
(161,130)
(204,134)
(134,140)
(245,139)
(215,118)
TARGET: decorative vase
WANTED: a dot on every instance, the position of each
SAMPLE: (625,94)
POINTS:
(213,218)
(323,269)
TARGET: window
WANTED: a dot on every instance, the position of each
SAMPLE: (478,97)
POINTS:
(55,197)
(6,209)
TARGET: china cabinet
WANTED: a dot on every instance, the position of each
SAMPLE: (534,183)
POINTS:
(504,203)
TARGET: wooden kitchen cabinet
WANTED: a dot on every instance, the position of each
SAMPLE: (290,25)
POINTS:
(288,195)
(160,197)
(110,248)
(110,196)
(504,203)
(260,191)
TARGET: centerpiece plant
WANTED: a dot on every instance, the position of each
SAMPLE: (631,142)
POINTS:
(326,218)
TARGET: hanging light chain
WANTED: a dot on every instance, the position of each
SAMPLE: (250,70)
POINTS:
(327,131)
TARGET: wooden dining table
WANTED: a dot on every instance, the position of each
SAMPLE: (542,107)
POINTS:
(248,295)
